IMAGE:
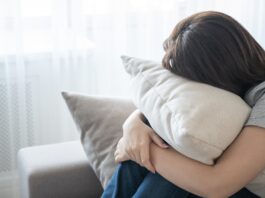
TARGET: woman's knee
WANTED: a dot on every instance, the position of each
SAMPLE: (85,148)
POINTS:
(132,168)
(129,166)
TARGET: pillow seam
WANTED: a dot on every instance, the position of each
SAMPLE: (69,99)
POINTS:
(161,98)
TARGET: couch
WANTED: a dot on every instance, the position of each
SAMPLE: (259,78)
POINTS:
(57,170)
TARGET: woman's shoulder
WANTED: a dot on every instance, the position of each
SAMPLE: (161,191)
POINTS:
(255,93)
(255,97)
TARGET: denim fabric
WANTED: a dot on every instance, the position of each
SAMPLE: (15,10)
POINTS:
(132,180)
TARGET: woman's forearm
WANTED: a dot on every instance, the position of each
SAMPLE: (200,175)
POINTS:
(184,172)
(241,162)
(233,170)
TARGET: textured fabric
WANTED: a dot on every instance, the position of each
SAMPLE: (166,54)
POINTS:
(255,97)
(125,180)
(56,171)
(99,119)
(133,180)
(196,119)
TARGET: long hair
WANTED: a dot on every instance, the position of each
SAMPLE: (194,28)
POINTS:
(213,48)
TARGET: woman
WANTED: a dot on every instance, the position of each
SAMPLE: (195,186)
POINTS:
(212,48)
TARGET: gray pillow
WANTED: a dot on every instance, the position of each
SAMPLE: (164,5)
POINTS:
(99,120)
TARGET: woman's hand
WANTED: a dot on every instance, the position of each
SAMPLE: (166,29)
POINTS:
(136,140)
(120,153)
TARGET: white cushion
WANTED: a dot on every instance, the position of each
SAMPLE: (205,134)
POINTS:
(196,119)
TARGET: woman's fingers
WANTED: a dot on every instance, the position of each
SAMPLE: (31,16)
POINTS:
(120,153)
(136,152)
(130,152)
(120,158)
(158,140)
(145,157)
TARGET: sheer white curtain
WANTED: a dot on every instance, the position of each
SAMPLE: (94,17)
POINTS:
(51,45)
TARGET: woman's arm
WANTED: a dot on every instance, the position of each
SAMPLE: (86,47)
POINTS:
(136,140)
(238,165)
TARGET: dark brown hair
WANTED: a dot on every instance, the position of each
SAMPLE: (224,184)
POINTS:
(213,48)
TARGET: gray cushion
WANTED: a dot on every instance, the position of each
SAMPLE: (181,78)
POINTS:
(99,120)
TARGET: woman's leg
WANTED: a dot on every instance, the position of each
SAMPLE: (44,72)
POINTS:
(130,179)
(126,179)
(244,193)
(155,186)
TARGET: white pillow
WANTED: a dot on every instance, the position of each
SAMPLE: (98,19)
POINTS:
(196,119)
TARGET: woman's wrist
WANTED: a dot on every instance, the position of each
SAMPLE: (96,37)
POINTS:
(139,114)
(142,117)
(133,120)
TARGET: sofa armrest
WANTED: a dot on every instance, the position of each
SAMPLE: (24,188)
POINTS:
(57,171)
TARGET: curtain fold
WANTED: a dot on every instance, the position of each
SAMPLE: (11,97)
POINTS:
(47,46)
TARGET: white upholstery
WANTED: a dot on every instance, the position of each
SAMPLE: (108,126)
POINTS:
(55,171)
(196,119)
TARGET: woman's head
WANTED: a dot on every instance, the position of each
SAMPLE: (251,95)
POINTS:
(213,48)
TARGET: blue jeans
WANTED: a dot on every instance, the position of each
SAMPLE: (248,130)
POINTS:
(132,180)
